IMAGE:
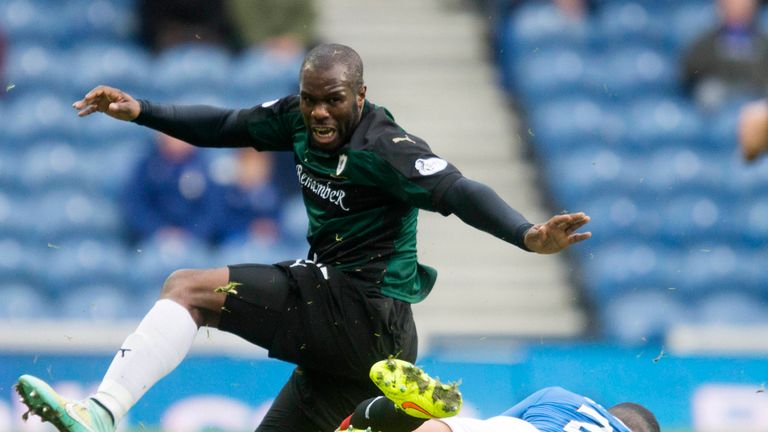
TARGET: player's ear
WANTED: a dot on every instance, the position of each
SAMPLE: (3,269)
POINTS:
(361,96)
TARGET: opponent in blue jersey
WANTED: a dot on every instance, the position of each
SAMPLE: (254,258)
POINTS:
(416,402)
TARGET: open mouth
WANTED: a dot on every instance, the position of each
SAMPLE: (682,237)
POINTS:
(324,134)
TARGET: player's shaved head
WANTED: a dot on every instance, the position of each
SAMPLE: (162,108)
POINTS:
(636,417)
(326,56)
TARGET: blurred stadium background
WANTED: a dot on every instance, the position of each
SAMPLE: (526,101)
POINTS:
(667,304)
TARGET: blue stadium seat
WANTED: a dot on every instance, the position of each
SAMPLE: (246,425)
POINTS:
(665,119)
(691,218)
(711,267)
(754,220)
(103,20)
(49,163)
(22,301)
(263,76)
(20,260)
(38,115)
(255,251)
(753,279)
(678,169)
(630,71)
(158,257)
(731,308)
(100,302)
(552,72)
(118,64)
(29,20)
(722,127)
(74,211)
(542,25)
(615,217)
(630,21)
(744,180)
(121,157)
(18,215)
(624,266)
(9,169)
(565,123)
(84,260)
(644,316)
(100,131)
(294,223)
(585,173)
(532,28)
(688,21)
(35,67)
(201,66)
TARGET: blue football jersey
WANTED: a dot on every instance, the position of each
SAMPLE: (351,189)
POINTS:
(555,409)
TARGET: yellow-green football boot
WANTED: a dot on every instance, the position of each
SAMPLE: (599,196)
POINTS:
(415,392)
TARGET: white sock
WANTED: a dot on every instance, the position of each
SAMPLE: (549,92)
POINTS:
(159,344)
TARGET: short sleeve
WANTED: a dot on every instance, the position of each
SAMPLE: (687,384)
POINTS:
(273,125)
(413,172)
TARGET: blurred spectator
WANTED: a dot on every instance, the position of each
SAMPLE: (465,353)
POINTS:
(574,9)
(171,194)
(753,129)
(251,203)
(168,23)
(281,26)
(731,60)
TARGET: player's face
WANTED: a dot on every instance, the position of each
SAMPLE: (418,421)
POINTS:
(330,106)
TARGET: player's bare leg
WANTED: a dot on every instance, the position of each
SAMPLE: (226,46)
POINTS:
(189,299)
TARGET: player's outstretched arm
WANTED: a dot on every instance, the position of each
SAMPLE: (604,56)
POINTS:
(557,233)
(110,101)
(199,125)
(481,207)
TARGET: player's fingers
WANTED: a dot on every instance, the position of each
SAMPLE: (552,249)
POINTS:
(559,221)
(575,238)
(576,225)
(93,95)
(90,109)
(102,94)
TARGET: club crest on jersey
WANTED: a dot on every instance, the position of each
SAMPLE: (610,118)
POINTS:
(342,164)
(430,166)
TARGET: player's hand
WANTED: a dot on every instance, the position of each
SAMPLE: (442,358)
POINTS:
(111,101)
(753,130)
(557,233)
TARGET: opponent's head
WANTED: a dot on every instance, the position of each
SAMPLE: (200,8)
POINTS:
(737,13)
(332,94)
(636,417)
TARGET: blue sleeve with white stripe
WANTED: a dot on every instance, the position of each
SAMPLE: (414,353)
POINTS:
(555,409)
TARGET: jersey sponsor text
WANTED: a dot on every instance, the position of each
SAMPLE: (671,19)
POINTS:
(322,190)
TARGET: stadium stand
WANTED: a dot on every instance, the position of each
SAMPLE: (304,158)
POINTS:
(678,219)
(61,176)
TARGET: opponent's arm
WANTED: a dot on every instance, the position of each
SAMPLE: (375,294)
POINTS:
(481,207)
(753,129)
(199,125)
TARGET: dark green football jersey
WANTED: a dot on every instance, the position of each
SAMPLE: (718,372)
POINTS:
(362,199)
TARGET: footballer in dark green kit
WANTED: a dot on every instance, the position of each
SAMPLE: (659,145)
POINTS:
(344,306)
